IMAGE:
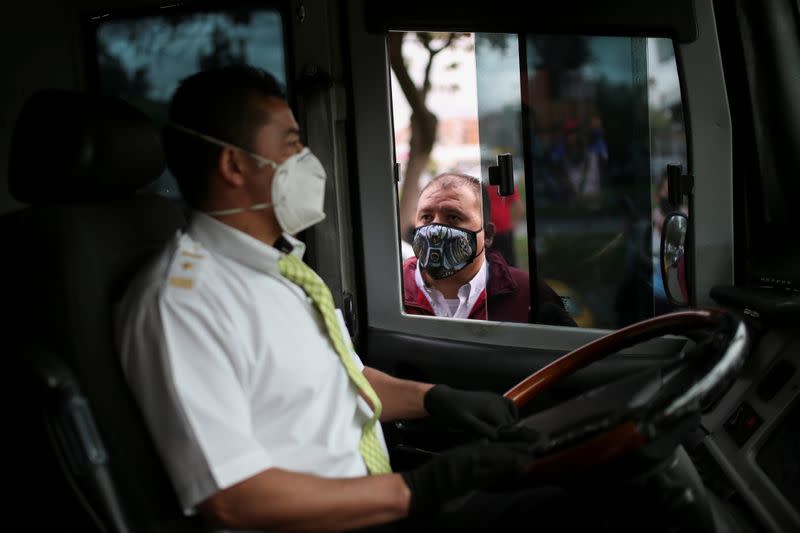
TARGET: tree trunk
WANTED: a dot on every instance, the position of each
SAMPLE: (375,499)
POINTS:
(423,125)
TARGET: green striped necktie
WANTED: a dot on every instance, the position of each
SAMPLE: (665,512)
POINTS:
(293,269)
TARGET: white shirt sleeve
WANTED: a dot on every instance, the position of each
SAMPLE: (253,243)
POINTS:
(185,365)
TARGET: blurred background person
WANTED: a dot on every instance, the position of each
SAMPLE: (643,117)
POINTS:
(579,161)
(506,213)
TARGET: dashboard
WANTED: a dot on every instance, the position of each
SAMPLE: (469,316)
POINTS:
(750,453)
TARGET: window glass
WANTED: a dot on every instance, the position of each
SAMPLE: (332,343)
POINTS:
(436,136)
(143,59)
(593,120)
(500,126)
(606,112)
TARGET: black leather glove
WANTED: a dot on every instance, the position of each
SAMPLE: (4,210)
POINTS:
(482,466)
(475,411)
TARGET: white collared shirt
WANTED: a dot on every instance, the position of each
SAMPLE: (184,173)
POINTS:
(468,294)
(233,367)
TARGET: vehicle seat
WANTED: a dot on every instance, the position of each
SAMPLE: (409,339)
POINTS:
(80,162)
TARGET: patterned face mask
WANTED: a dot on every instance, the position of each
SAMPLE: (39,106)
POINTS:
(444,250)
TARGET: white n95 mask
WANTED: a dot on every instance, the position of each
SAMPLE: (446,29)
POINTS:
(298,187)
(298,192)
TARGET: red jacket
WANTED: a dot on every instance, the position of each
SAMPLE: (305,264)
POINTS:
(507,292)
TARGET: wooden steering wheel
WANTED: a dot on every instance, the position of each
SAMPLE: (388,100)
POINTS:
(589,446)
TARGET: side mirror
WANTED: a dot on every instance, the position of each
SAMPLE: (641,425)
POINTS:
(673,258)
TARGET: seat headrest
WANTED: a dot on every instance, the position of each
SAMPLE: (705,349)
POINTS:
(72,147)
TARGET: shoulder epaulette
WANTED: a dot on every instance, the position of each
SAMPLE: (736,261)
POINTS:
(187,264)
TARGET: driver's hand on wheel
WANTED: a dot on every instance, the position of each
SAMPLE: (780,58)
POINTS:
(478,412)
(489,466)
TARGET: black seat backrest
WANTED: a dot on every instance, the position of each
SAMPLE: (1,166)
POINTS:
(79,160)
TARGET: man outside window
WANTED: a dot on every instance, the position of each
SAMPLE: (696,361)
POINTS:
(455,271)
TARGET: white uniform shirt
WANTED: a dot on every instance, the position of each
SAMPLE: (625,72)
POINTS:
(233,368)
(468,294)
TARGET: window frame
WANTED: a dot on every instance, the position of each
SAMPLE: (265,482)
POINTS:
(706,118)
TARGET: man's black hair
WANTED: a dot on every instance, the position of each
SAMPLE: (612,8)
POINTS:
(221,103)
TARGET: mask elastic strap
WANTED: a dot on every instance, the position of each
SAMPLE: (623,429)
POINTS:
(233,211)
(213,140)
(482,249)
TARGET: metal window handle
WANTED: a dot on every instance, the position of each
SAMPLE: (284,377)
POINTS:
(502,175)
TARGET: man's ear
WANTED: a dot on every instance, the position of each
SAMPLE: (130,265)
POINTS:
(230,167)
(488,234)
